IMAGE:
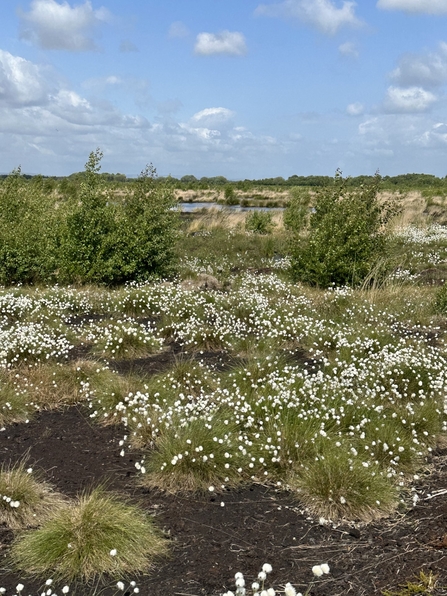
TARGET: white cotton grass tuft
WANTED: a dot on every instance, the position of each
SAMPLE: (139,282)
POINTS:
(259,588)
(319,570)
(289,590)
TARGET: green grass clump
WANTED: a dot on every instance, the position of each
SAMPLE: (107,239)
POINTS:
(423,584)
(338,486)
(97,535)
(195,456)
(24,499)
(124,340)
(13,400)
(103,389)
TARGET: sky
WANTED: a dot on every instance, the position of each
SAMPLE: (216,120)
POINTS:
(234,88)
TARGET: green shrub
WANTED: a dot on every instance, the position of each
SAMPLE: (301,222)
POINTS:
(297,212)
(28,231)
(259,222)
(112,242)
(87,250)
(147,231)
(345,236)
(230,195)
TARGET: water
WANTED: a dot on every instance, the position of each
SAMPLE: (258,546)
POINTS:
(190,207)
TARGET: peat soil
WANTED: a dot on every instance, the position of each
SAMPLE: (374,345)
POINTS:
(214,535)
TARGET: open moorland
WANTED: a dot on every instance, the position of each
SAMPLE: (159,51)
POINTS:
(246,410)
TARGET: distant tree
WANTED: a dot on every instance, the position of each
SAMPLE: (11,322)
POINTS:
(230,195)
(188,179)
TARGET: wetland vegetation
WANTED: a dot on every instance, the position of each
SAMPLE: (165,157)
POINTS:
(300,356)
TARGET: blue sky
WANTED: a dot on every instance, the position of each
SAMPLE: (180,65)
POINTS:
(239,88)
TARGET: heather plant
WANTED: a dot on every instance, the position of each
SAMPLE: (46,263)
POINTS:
(345,237)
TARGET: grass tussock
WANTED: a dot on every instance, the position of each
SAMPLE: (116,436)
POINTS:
(14,406)
(194,456)
(25,500)
(336,486)
(97,535)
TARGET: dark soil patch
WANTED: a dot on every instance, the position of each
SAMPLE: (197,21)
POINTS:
(303,358)
(218,361)
(78,320)
(257,524)
(149,365)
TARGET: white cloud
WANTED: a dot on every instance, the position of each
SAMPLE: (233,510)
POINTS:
(178,30)
(213,117)
(54,26)
(50,128)
(211,124)
(408,100)
(426,70)
(355,109)
(348,49)
(22,83)
(226,42)
(415,6)
(322,14)
(436,136)
(404,135)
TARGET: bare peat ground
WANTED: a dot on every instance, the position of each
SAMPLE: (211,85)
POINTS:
(256,524)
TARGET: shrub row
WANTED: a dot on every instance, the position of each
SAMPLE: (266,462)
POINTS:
(93,238)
